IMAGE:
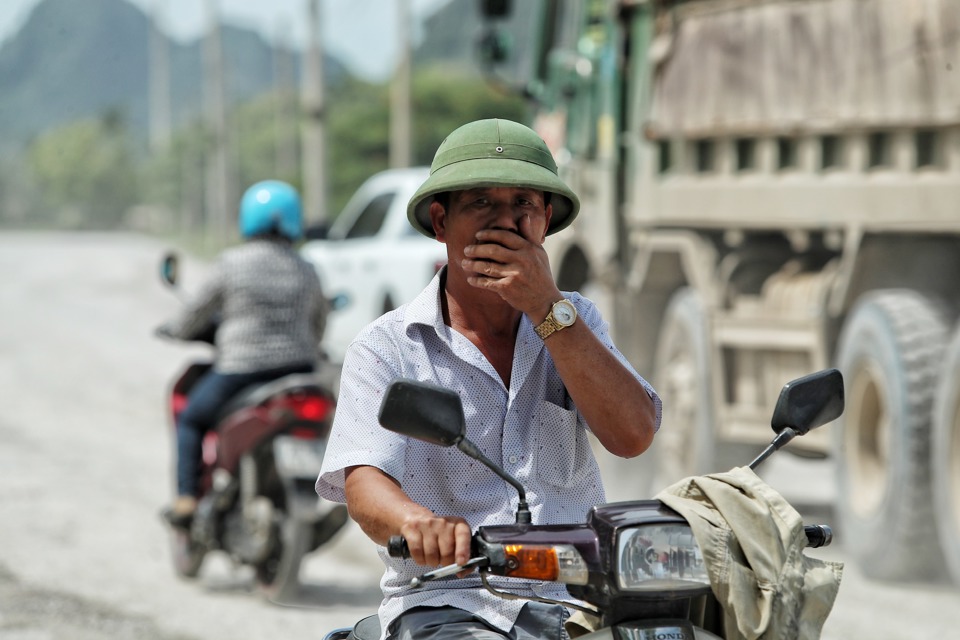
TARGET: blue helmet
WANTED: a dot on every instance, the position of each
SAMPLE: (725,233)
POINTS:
(271,206)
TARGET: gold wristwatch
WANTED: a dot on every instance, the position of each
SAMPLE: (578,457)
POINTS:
(562,315)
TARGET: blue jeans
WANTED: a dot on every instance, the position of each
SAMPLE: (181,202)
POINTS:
(537,621)
(206,399)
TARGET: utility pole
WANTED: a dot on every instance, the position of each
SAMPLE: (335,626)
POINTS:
(400,108)
(314,110)
(219,217)
(160,120)
(285,122)
(160,116)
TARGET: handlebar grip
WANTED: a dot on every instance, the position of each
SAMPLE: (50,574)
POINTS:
(818,535)
(397,547)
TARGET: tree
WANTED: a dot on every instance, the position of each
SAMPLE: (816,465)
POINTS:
(358,137)
(357,119)
(442,101)
(86,172)
(446,99)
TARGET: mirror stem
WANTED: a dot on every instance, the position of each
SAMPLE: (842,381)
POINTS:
(523,510)
(782,438)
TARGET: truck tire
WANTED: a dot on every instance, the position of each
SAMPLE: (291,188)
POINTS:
(945,461)
(686,444)
(889,353)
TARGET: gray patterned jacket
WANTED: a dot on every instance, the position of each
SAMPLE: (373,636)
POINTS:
(271,306)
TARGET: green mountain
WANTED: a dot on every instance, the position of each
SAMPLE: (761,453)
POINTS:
(86,58)
(77,59)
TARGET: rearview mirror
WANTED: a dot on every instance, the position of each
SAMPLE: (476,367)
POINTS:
(339,301)
(494,47)
(495,8)
(423,411)
(435,414)
(809,402)
(169,269)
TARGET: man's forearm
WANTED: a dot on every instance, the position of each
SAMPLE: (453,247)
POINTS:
(382,509)
(620,412)
(377,503)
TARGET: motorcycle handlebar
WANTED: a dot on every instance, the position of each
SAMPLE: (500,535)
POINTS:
(397,547)
(818,535)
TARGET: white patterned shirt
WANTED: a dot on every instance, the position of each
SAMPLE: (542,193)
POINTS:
(532,429)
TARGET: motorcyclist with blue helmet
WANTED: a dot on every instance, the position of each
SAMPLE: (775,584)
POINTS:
(271,314)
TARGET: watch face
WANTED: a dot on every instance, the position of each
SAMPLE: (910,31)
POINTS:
(565,313)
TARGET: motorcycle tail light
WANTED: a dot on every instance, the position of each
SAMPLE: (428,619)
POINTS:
(305,407)
(312,408)
(660,557)
(549,563)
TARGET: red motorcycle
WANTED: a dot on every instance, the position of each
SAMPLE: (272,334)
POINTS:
(257,501)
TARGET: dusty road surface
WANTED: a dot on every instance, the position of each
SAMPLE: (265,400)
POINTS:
(85,460)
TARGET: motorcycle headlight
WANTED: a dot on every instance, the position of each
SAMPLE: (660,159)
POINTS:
(659,557)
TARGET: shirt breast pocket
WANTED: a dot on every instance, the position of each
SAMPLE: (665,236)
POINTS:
(563,451)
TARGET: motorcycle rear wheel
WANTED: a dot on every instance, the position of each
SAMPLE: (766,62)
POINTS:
(187,554)
(278,577)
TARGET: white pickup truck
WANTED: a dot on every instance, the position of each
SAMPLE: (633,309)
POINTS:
(372,257)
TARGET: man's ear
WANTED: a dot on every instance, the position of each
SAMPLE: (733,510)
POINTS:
(438,217)
(548,213)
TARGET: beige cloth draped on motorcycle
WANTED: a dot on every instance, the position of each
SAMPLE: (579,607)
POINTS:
(753,542)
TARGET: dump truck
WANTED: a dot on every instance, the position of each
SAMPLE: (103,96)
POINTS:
(769,188)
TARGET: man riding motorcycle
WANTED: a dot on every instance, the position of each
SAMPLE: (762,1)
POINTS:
(270,311)
(533,365)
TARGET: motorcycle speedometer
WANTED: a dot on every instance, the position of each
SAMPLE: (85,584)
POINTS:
(660,557)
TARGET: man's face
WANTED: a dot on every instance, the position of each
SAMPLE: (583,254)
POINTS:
(502,208)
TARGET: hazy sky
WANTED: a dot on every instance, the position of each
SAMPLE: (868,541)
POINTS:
(367,46)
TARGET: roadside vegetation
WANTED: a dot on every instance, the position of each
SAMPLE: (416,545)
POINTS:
(97,174)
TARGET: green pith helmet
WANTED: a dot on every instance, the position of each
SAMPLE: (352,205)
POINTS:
(493,153)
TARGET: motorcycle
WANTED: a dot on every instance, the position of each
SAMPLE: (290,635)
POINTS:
(259,463)
(636,567)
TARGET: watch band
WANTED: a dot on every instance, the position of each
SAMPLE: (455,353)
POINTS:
(548,326)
